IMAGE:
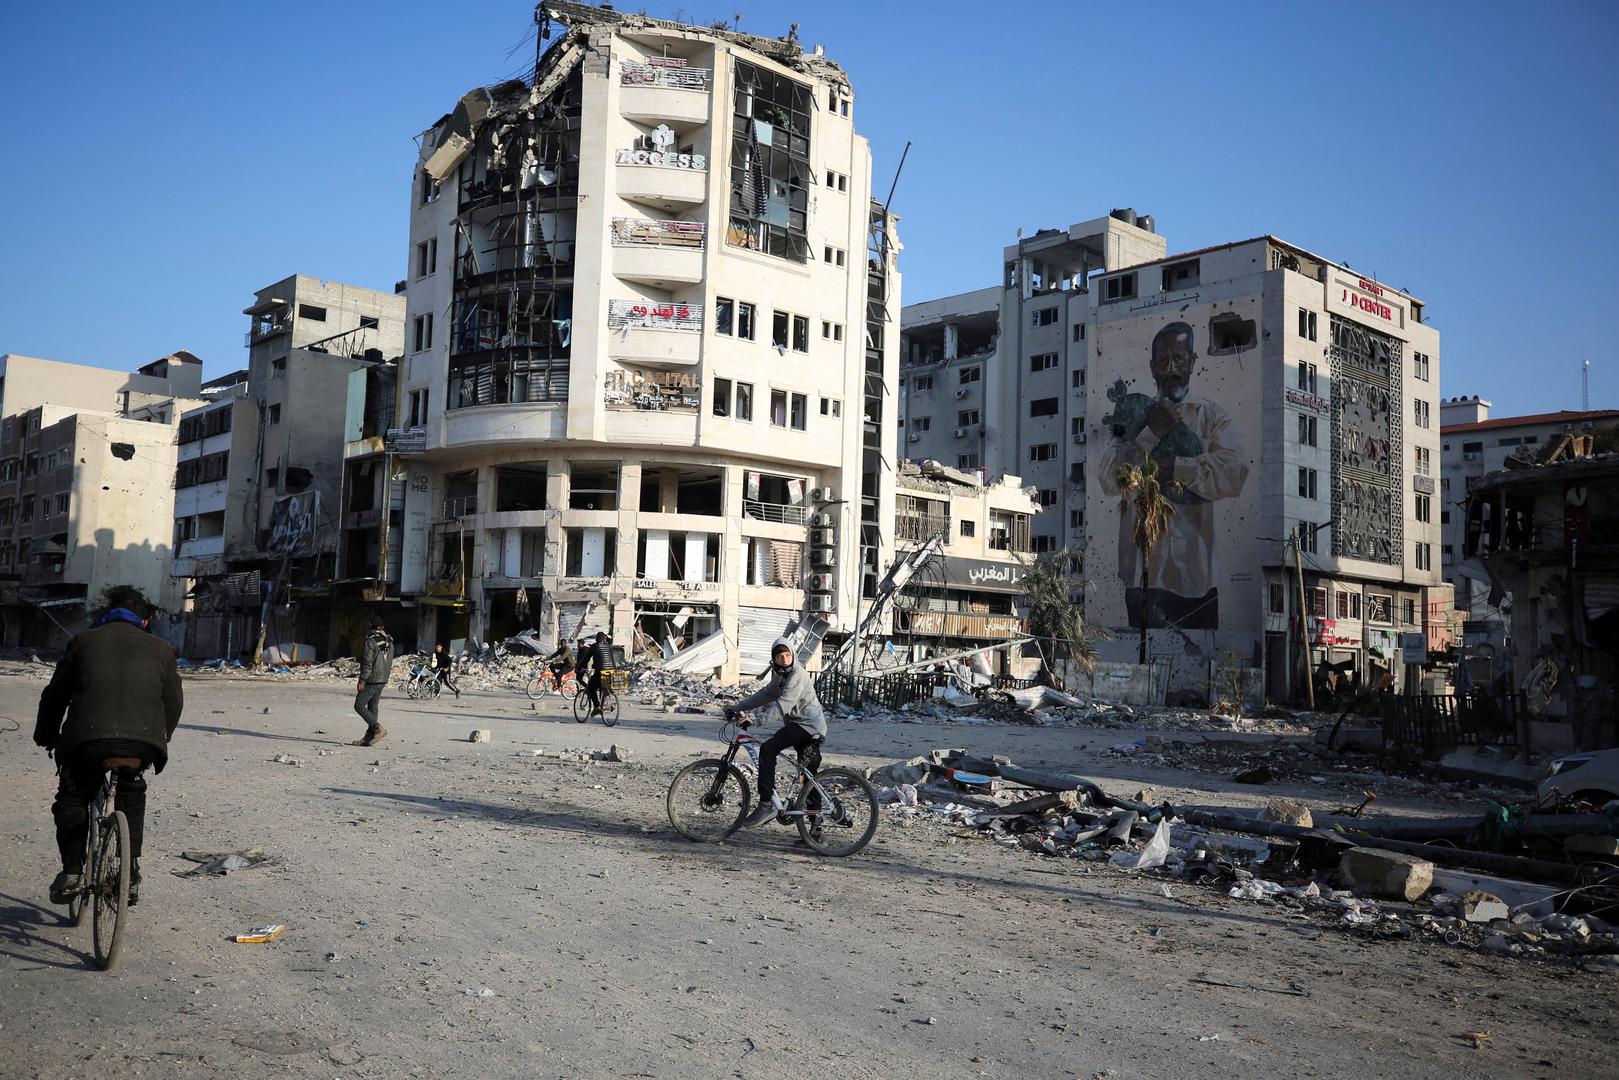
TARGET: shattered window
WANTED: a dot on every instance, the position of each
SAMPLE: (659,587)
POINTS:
(770,166)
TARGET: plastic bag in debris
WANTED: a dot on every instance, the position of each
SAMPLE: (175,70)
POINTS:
(1154,854)
(1255,889)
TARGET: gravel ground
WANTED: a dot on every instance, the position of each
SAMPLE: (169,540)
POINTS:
(471,910)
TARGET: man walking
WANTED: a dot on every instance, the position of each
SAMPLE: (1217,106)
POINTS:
(120,690)
(376,668)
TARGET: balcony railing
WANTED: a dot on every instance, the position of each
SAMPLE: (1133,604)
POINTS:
(460,506)
(919,526)
(670,71)
(641,315)
(647,231)
(264,330)
(779,513)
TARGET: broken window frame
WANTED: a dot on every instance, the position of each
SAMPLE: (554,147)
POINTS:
(774,220)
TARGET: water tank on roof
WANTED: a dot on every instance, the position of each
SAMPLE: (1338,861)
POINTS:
(1127,215)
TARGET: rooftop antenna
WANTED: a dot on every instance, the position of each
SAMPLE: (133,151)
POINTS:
(1585,386)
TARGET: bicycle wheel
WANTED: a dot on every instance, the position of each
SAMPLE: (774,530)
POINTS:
(568,688)
(849,823)
(79,907)
(433,689)
(581,708)
(707,804)
(110,895)
(539,686)
(609,709)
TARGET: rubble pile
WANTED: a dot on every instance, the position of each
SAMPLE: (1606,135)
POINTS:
(674,691)
(1045,707)
(1366,874)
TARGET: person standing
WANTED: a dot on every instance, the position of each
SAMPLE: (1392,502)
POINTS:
(376,668)
(120,690)
(444,666)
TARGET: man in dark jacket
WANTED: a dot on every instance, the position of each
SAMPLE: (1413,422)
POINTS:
(376,668)
(789,696)
(120,692)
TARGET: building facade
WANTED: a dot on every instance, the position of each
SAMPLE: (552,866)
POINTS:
(260,469)
(1475,444)
(652,324)
(85,469)
(1281,394)
(970,594)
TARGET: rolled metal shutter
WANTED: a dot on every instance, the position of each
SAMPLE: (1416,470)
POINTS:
(757,630)
(583,620)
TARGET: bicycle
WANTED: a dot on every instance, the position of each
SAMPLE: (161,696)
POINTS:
(606,708)
(104,877)
(708,799)
(422,682)
(546,681)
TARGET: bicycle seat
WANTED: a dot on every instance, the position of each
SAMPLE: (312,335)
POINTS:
(120,763)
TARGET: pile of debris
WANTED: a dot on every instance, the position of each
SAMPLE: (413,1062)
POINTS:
(1392,876)
(675,691)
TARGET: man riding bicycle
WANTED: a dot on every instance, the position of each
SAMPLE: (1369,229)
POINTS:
(593,663)
(120,690)
(790,697)
(560,662)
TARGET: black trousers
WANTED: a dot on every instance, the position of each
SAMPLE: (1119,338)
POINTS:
(444,677)
(790,737)
(79,780)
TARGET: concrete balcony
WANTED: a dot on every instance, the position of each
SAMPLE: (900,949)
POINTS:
(514,423)
(666,188)
(681,108)
(637,345)
(659,265)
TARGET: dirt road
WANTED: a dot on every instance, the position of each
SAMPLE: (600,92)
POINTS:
(461,910)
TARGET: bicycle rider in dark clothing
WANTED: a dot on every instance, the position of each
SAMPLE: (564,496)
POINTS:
(444,666)
(561,662)
(592,664)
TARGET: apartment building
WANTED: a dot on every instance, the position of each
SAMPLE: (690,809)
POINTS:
(85,462)
(1282,395)
(1475,444)
(259,470)
(996,379)
(653,316)
(970,594)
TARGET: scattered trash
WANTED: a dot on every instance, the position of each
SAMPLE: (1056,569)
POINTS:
(261,934)
(287,759)
(481,991)
(221,863)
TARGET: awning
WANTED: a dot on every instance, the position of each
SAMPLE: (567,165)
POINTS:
(59,603)
(444,602)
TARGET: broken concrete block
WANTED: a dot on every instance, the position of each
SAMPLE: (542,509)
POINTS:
(618,753)
(1385,873)
(1059,800)
(914,771)
(1590,844)
(481,735)
(1482,907)
(1145,796)
(1288,812)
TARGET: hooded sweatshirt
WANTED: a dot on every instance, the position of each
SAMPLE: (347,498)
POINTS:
(789,696)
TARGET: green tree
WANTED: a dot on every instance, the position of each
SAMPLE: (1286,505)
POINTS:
(1144,493)
(1049,586)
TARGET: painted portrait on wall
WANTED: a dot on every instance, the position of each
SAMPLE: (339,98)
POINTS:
(1200,462)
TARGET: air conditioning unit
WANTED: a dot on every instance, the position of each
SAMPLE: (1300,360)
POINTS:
(1079,437)
(823,495)
(822,520)
(962,392)
(820,603)
(823,537)
(913,437)
(820,583)
(1471,455)
(823,558)
(960,433)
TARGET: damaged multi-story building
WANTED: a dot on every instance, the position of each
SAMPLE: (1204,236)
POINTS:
(647,380)
(1291,404)
(86,455)
(259,471)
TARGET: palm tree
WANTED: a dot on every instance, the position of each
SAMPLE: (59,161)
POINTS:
(1049,584)
(1143,491)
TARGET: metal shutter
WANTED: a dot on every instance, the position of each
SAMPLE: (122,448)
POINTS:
(757,630)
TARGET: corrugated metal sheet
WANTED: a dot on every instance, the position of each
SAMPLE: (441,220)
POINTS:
(758,629)
(583,620)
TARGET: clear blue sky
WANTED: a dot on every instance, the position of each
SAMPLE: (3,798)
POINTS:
(163,161)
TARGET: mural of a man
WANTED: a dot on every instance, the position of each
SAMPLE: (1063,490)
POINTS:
(1199,460)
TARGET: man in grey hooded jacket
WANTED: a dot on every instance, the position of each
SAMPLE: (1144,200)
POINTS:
(789,696)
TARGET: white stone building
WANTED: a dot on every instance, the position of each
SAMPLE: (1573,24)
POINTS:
(653,316)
